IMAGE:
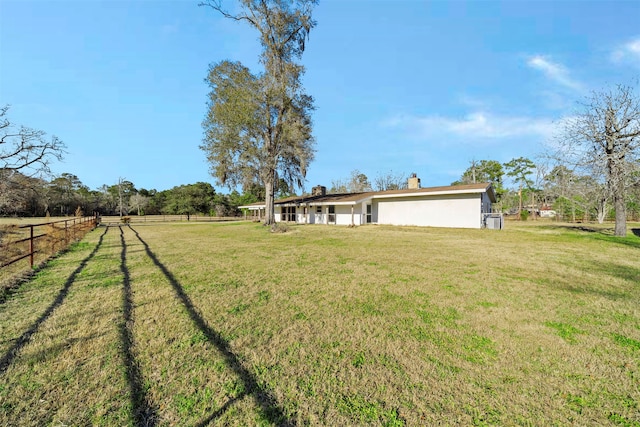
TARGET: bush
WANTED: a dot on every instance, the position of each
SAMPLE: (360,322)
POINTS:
(279,228)
(524,215)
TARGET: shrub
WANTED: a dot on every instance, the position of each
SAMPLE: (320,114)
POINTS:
(524,215)
(279,228)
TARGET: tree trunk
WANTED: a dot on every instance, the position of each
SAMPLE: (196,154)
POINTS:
(533,205)
(269,214)
(602,211)
(520,204)
(621,215)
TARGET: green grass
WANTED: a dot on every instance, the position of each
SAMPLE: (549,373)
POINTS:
(230,324)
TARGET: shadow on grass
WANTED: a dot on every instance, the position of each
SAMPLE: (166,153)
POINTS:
(625,272)
(631,241)
(603,234)
(143,413)
(263,398)
(583,227)
(25,337)
(602,288)
(608,294)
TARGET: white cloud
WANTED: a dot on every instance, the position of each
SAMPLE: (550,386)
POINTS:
(554,71)
(475,126)
(628,52)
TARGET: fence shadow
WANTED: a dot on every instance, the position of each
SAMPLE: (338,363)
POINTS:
(8,357)
(263,398)
(143,413)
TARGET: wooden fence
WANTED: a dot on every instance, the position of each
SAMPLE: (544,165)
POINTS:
(57,235)
(135,219)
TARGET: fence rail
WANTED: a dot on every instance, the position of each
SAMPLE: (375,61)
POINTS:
(112,219)
(61,234)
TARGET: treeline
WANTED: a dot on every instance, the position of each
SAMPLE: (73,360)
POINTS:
(532,188)
(573,195)
(21,195)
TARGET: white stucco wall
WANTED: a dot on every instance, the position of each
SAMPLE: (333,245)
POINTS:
(453,210)
(343,215)
(459,211)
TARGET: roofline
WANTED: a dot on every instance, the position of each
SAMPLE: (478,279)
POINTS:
(312,200)
(430,193)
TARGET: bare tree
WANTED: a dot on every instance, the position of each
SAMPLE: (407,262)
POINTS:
(25,149)
(138,202)
(356,183)
(390,181)
(603,140)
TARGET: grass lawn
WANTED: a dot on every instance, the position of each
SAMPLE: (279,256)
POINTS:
(228,324)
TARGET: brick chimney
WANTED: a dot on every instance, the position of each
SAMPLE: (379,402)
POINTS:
(414,182)
(319,190)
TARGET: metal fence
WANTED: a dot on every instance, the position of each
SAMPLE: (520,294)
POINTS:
(57,234)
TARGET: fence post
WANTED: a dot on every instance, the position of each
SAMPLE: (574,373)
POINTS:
(31,246)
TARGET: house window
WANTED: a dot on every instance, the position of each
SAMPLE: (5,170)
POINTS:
(332,214)
(368,214)
(288,213)
(319,209)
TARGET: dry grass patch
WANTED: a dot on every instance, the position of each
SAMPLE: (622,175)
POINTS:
(189,324)
(48,241)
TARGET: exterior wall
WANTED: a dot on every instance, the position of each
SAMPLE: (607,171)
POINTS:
(458,211)
(453,210)
(374,212)
(486,203)
(343,215)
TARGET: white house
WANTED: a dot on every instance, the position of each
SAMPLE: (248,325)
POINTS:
(459,206)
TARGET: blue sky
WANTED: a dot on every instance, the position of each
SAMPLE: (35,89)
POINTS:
(402,86)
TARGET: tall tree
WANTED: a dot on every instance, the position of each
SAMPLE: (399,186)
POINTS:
(258,127)
(20,194)
(190,199)
(520,170)
(604,140)
(117,196)
(484,171)
(359,182)
(356,183)
(63,194)
(25,149)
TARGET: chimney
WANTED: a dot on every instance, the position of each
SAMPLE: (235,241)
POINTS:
(319,190)
(414,182)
